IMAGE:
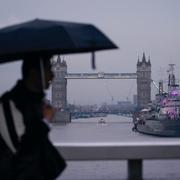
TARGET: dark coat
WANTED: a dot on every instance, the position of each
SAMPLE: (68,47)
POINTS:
(35,158)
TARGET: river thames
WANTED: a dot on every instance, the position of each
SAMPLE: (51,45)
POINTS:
(117,169)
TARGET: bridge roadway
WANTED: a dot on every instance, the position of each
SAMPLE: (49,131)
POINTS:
(101,75)
(112,141)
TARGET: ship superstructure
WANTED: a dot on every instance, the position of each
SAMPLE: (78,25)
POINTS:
(162,117)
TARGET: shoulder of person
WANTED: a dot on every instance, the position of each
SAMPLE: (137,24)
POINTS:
(13,125)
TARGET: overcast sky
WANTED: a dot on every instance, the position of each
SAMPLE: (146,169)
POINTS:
(136,26)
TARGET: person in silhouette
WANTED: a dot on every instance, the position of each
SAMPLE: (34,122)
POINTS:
(26,152)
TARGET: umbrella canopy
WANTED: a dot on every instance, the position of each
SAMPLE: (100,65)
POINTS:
(41,37)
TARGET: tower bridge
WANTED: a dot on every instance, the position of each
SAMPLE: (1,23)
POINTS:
(59,83)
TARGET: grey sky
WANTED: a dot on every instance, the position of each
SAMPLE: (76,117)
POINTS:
(134,25)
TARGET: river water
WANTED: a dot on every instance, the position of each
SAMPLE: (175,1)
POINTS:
(117,170)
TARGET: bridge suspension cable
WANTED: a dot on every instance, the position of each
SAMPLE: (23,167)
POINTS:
(154,83)
(107,88)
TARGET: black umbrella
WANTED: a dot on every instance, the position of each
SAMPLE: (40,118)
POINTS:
(41,37)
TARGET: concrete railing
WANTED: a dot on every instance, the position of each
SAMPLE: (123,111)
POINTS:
(133,153)
(113,141)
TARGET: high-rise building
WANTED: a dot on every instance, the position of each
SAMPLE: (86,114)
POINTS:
(135,99)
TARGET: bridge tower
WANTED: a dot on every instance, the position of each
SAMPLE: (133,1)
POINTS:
(143,82)
(59,90)
(59,83)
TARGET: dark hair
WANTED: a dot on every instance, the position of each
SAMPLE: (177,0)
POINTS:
(33,62)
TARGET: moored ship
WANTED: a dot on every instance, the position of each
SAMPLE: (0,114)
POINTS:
(162,116)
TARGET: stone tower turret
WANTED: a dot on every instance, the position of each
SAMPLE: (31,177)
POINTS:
(59,83)
(143,82)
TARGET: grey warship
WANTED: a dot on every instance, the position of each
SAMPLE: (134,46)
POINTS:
(162,116)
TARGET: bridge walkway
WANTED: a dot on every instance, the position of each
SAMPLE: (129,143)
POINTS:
(101,75)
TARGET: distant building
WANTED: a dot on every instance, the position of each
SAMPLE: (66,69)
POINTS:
(124,103)
(135,99)
(143,82)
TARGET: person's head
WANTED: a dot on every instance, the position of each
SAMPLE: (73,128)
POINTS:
(31,72)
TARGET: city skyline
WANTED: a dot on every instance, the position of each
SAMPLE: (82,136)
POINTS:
(135,26)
